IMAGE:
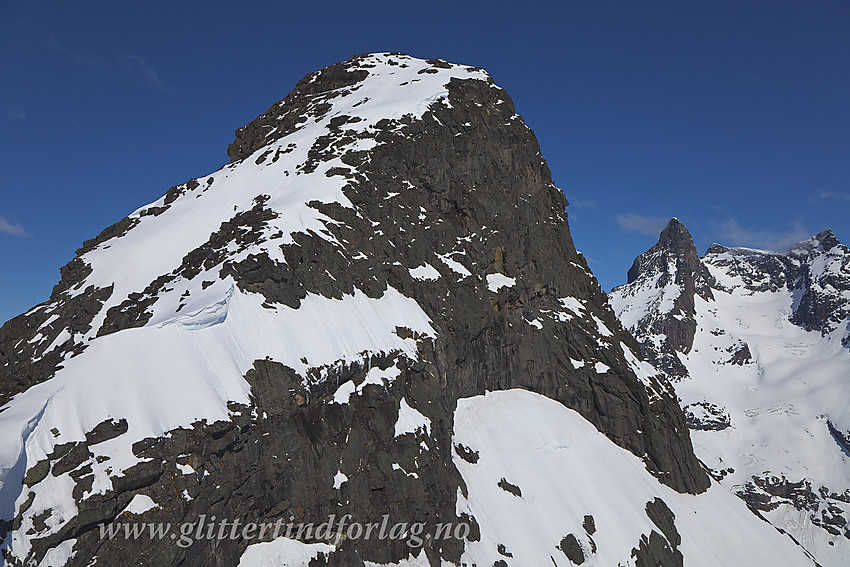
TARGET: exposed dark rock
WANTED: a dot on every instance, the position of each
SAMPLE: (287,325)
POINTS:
(37,473)
(706,416)
(106,430)
(117,230)
(512,488)
(466,454)
(655,551)
(758,271)
(822,306)
(664,519)
(659,550)
(31,348)
(841,437)
(572,549)
(740,354)
(764,494)
(672,262)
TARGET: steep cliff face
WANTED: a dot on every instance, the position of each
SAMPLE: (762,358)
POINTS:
(291,337)
(763,379)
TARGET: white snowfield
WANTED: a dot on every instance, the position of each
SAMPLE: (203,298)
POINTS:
(566,469)
(645,298)
(282,552)
(779,403)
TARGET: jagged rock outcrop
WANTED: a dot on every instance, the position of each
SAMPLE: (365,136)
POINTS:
(657,303)
(825,283)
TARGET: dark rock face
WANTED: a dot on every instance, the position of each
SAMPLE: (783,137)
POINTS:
(572,549)
(659,548)
(823,304)
(766,493)
(484,198)
(757,270)
(277,460)
(671,267)
(33,345)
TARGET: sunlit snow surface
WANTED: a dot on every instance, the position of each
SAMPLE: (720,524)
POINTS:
(566,469)
(645,298)
(282,552)
(779,404)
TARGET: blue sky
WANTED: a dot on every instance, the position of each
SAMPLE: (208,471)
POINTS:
(732,116)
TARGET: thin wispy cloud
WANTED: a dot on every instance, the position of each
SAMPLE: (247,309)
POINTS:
(146,72)
(640,224)
(11,110)
(137,65)
(74,56)
(580,203)
(12,229)
(16,112)
(833,195)
(733,234)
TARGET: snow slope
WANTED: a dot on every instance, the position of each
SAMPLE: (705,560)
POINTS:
(566,470)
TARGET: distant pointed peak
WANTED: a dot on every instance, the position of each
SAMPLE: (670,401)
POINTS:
(827,239)
(674,241)
(716,248)
(824,240)
(675,236)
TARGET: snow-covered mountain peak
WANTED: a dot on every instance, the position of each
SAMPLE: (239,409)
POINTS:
(823,241)
(815,271)
(658,299)
(354,95)
(764,384)
(292,176)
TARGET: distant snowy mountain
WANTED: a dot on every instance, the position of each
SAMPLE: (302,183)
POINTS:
(762,370)
(374,311)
